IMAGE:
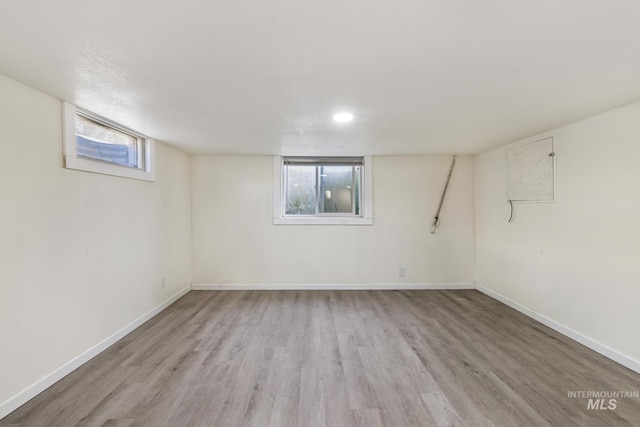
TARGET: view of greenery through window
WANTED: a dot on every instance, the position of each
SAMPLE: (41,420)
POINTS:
(313,189)
(301,190)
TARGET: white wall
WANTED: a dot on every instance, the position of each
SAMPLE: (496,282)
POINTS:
(81,254)
(575,261)
(235,241)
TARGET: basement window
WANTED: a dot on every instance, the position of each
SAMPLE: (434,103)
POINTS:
(322,190)
(95,144)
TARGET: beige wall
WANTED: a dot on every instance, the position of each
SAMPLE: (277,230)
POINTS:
(81,254)
(575,261)
(235,241)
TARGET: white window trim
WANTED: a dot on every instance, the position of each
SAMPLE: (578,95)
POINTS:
(280,219)
(72,161)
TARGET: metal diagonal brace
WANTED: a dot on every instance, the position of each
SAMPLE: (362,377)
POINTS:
(436,221)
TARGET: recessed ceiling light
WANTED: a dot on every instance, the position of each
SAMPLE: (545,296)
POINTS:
(343,117)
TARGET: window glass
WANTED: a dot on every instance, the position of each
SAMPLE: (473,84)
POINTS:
(322,187)
(100,142)
(336,189)
(300,190)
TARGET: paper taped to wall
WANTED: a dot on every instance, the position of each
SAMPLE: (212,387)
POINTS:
(530,171)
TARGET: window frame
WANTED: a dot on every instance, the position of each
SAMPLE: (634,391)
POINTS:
(323,218)
(73,161)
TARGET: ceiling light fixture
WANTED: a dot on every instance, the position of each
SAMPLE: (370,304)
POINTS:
(343,117)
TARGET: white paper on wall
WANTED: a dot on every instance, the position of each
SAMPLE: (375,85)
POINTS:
(530,171)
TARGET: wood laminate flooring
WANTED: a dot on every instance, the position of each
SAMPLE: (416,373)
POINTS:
(337,358)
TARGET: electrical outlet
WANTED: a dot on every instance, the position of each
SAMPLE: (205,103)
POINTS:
(163,283)
(402,272)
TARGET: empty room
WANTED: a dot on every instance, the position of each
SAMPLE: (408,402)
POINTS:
(319,213)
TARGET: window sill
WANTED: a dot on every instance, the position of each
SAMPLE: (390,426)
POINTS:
(107,169)
(321,221)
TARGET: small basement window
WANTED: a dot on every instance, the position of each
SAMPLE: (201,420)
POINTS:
(95,144)
(322,190)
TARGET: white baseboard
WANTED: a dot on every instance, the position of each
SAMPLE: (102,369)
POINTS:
(47,381)
(594,345)
(205,287)
(330,286)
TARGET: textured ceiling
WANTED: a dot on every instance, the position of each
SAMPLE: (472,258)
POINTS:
(265,77)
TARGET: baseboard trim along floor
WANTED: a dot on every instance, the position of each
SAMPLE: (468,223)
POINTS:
(329,286)
(594,345)
(47,381)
